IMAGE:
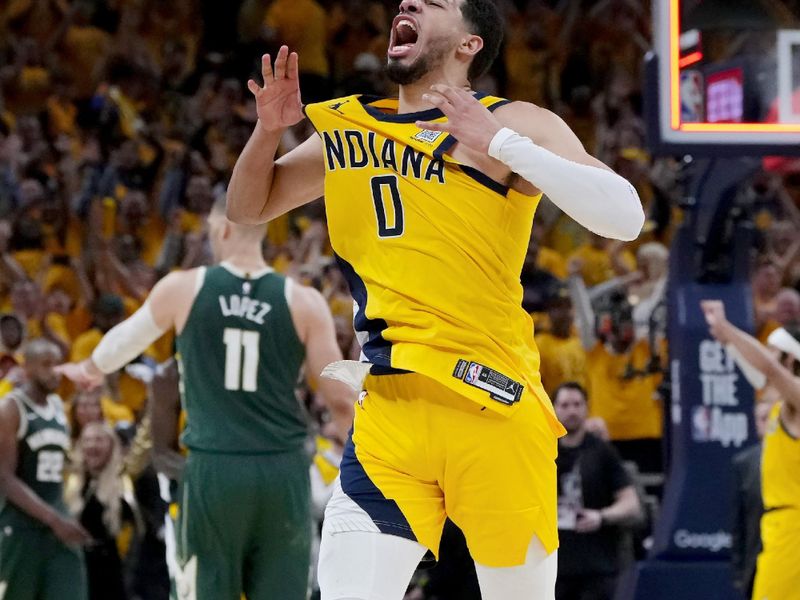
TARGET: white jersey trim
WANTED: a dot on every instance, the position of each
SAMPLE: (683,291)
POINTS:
(22,429)
(287,291)
(48,413)
(200,280)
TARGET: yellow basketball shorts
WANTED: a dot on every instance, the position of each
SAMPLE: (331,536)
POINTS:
(420,452)
(778,568)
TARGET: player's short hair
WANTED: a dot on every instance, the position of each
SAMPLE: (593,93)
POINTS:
(38,347)
(484,20)
(570,385)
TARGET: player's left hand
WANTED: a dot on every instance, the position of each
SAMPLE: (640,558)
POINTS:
(469,121)
(588,521)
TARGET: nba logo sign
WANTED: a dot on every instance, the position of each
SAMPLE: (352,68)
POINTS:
(473,373)
(691,93)
(701,424)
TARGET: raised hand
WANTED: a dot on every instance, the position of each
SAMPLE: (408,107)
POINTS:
(714,312)
(469,121)
(278,101)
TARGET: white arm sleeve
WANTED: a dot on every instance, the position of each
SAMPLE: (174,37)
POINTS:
(600,200)
(755,377)
(127,340)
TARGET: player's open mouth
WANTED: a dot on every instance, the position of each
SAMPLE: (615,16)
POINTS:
(404,36)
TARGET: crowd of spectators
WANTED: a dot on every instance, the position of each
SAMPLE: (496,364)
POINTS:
(121,120)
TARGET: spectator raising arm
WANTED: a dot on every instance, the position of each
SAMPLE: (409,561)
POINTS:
(584,313)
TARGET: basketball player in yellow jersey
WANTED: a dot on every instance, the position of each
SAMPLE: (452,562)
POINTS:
(778,568)
(430,200)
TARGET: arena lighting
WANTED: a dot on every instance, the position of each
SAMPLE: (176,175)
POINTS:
(674,70)
(743,127)
(690,59)
(675,65)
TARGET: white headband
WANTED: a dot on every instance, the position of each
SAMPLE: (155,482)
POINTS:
(785,342)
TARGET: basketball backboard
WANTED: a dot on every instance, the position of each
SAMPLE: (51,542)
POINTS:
(724,77)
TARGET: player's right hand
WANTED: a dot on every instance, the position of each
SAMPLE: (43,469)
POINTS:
(278,101)
(714,312)
(70,532)
(84,374)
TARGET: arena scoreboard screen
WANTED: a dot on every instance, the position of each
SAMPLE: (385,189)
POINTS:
(724,76)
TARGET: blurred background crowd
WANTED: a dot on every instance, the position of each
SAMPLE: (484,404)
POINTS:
(120,123)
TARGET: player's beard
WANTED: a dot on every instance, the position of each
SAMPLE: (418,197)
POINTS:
(427,61)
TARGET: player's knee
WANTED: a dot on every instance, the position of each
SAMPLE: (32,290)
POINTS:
(534,580)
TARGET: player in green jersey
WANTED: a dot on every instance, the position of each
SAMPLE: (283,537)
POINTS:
(244,334)
(40,555)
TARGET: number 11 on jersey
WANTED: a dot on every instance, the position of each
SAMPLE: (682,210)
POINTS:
(241,374)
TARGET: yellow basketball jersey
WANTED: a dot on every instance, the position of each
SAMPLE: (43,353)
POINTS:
(432,250)
(780,467)
(778,569)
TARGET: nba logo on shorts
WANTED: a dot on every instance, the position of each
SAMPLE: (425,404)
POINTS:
(473,373)
(701,424)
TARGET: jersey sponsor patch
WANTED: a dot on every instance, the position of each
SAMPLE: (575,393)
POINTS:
(500,387)
(428,136)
